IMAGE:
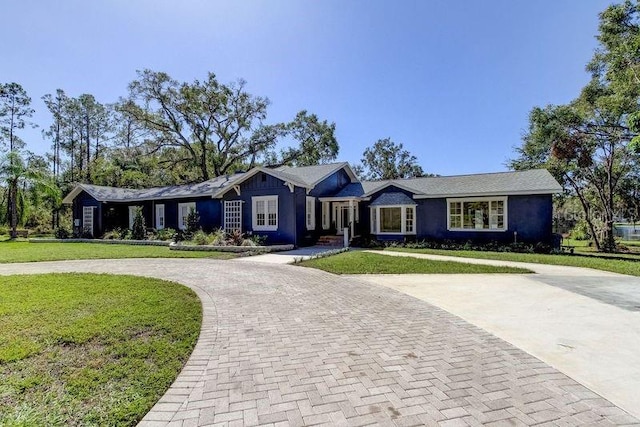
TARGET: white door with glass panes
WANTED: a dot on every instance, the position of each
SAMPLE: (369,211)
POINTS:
(184,209)
(341,216)
(159,217)
(132,215)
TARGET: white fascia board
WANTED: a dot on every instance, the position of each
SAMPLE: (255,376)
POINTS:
(79,188)
(395,184)
(220,193)
(342,199)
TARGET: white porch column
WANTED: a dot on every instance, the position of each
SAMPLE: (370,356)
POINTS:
(352,220)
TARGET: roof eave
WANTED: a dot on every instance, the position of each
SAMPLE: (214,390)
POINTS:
(488,194)
(79,188)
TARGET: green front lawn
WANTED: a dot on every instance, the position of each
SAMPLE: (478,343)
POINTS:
(631,267)
(87,349)
(358,262)
(22,251)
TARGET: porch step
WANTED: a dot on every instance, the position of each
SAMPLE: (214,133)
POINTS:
(330,241)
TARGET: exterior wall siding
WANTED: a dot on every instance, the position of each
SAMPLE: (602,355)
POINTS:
(84,199)
(529,216)
(331,184)
(266,185)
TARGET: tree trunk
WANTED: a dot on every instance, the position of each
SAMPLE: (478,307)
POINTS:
(587,212)
(13,207)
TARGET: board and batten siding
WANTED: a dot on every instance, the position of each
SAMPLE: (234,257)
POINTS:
(262,184)
(531,216)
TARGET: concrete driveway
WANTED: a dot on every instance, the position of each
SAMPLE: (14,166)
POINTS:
(285,345)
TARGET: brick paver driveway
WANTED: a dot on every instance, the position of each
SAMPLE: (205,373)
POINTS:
(283,344)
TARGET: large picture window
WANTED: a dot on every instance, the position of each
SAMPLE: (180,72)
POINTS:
(393,219)
(479,214)
(265,213)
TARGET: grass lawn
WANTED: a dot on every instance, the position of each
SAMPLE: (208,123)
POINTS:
(583,247)
(87,349)
(631,267)
(357,262)
(22,251)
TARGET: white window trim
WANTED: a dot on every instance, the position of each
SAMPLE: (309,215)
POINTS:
(160,213)
(403,219)
(505,215)
(310,213)
(228,204)
(326,215)
(254,213)
(190,206)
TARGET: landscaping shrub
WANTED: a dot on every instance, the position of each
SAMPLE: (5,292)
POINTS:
(201,238)
(218,237)
(125,234)
(193,222)
(235,238)
(62,233)
(248,242)
(114,234)
(179,236)
(259,240)
(138,231)
(493,246)
(165,234)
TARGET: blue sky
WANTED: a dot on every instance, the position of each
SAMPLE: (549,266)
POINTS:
(453,81)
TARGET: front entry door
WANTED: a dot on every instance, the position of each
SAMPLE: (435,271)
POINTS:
(341,216)
(342,219)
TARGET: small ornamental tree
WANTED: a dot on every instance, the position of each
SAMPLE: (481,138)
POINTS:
(193,222)
(138,231)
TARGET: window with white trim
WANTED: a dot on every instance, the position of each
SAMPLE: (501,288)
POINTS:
(390,220)
(264,213)
(409,219)
(477,214)
(374,220)
(310,213)
(393,219)
(232,215)
(159,217)
(326,215)
(184,209)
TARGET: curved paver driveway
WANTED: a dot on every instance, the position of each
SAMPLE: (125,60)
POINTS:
(283,344)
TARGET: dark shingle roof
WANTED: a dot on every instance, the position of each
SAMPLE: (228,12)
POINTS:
(311,175)
(114,194)
(534,181)
(392,199)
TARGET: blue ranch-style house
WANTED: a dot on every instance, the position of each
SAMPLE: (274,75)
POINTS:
(299,204)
